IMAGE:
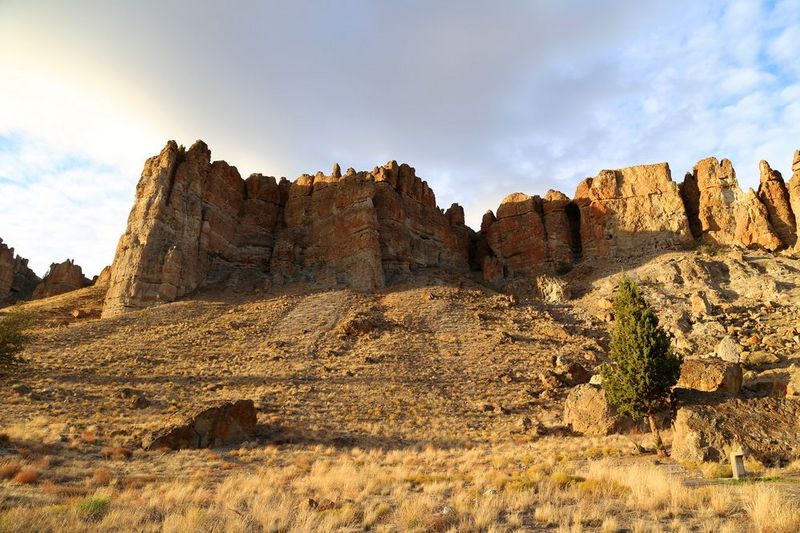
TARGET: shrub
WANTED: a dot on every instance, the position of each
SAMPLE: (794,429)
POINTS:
(94,508)
(27,476)
(643,367)
(13,337)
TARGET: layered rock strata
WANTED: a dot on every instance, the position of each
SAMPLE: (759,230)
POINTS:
(196,223)
(60,278)
(17,281)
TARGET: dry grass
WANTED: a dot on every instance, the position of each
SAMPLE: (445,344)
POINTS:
(27,476)
(414,422)
(486,488)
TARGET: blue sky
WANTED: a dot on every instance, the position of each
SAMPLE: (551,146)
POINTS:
(483,98)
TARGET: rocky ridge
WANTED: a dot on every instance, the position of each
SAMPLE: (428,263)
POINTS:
(17,281)
(196,223)
(60,278)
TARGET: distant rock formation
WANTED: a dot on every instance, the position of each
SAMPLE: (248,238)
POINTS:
(197,223)
(62,277)
(17,281)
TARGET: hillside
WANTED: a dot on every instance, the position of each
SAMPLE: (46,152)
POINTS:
(442,362)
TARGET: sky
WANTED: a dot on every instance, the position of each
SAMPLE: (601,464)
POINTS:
(482,98)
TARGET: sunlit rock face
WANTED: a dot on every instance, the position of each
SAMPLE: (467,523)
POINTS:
(197,223)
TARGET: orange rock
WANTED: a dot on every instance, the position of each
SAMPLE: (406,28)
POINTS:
(774,195)
(61,278)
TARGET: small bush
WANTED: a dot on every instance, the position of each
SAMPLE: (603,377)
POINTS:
(94,507)
(9,470)
(27,476)
(102,477)
(13,337)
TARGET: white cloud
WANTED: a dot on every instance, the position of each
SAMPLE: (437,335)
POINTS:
(482,98)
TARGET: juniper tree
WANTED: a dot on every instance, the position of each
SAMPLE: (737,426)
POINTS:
(643,367)
(13,337)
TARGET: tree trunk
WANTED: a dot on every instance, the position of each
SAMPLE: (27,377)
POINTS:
(654,429)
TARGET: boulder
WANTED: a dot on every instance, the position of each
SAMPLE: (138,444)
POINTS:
(774,195)
(552,289)
(710,426)
(753,229)
(631,211)
(710,375)
(222,424)
(729,350)
(587,411)
(700,305)
(61,278)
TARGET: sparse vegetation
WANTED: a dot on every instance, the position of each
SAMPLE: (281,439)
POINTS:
(643,367)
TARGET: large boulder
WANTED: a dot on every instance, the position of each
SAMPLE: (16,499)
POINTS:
(710,375)
(631,211)
(710,426)
(587,411)
(61,278)
(210,427)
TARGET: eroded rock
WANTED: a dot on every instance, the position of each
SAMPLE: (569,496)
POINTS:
(587,411)
(61,278)
(710,375)
(766,429)
(17,281)
(209,427)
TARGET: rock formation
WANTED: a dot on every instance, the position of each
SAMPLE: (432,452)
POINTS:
(721,214)
(629,211)
(222,424)
(794,191)
(774,195)
(196,223)
(61,278)
(17,281)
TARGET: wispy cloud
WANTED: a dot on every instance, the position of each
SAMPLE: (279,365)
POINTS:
(483,98)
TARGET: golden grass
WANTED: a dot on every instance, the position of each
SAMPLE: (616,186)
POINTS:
(486,488)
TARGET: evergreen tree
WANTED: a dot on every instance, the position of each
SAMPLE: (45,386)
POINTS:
(13,337)
(643,367)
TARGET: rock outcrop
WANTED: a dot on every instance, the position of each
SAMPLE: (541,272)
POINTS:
(196,223)
(630,211)
(222,424)
(721,214)
(774,195)
(710,375)
(766,429)
(17,281)
(62,277)
(794,191)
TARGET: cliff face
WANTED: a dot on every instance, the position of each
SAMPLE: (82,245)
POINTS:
(17,281)
(197,223)
(61,278)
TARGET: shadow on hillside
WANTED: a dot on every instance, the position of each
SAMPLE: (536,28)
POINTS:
(285,435)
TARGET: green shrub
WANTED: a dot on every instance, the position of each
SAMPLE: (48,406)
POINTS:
(94,507)
(13,337)
(643,368)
